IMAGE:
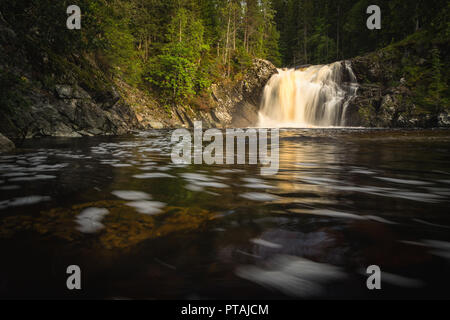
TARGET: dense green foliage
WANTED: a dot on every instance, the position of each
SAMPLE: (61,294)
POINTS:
(322,31)
(176,48)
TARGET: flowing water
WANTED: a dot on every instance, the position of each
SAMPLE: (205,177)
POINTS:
(313,96)
(142,227)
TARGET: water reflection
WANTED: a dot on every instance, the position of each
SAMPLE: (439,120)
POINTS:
(342,200)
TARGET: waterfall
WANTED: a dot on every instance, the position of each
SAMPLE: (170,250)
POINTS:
(307,97)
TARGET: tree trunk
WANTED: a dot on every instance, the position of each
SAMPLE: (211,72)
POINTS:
(234,30)
(180,32)
(228,38)
(337,31)
(305,41)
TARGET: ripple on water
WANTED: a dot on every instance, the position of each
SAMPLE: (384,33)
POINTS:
(255,183)
(10,187)
(131,195)
(293,276)
(194,188)
(259,196)
(440,248)
(121,165)
(15,174)
(212,184)
(332,214)
(147,207)
(362,171)
(431,224)
(153,175)
(265,243)
(89,220)
(404,181)
(23,201)
(33,178)
(198,181)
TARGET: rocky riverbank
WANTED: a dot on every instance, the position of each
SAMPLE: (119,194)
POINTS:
(403,85)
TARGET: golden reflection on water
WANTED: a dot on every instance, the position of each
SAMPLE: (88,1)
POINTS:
(297,162)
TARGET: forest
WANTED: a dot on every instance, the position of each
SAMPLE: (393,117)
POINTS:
(175,49)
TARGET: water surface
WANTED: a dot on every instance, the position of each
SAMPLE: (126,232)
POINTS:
(142,227)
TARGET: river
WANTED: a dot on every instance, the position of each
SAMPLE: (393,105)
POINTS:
(140,226)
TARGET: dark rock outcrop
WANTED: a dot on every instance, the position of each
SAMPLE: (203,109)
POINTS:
(70,112)
(394,84)
(5,144)
(28,108)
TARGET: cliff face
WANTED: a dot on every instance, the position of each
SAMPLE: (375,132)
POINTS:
(230,105)
(37,102)
(69,111)
(238,106)
(403,85)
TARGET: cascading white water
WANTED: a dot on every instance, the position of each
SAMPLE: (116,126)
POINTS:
(313,96)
